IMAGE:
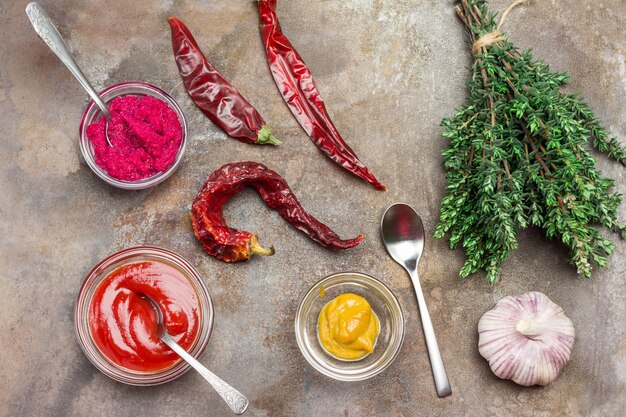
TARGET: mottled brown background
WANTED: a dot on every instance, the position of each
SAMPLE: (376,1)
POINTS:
(389,71)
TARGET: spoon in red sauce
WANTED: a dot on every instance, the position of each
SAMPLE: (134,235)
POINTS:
(235,400)
(51,36)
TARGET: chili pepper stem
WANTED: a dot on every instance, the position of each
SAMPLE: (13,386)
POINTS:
(257,249)
(265,136)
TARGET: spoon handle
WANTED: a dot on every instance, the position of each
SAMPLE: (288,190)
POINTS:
(51,36)
(442,384)
(235,400)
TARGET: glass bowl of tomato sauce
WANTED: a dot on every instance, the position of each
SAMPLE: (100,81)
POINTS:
(116,326)
(148,135)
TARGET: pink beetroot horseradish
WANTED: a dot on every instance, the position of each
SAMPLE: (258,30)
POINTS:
(145,135)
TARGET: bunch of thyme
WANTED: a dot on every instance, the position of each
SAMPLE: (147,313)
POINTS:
(518,157)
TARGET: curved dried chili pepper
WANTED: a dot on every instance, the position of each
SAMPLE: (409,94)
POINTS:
(296,84)
(232,245)
(213,94)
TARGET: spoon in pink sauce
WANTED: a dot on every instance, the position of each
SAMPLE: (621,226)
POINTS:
(51,36)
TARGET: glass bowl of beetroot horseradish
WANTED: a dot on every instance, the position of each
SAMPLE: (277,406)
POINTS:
(147,132)
(116,325)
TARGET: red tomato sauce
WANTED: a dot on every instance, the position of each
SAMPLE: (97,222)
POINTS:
(123,325)
(145,135)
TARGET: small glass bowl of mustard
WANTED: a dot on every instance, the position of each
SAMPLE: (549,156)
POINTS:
(385,307)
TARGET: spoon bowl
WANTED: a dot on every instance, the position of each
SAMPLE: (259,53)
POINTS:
(403,234)
(159,316)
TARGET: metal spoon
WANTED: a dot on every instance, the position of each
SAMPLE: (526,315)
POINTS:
(51,36)
(403,235)
(235,400)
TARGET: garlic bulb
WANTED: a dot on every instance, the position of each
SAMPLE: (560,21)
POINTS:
(527,339)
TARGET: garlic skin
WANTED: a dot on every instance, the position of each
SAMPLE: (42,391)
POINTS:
(527,339)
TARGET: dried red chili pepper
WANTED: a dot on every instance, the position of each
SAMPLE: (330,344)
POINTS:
(296,84)
(213,94)
(232,245)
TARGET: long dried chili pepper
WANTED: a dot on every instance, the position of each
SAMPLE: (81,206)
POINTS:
(232,245)
(213,94)
(296,84)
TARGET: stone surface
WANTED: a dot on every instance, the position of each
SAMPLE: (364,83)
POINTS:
(389,71)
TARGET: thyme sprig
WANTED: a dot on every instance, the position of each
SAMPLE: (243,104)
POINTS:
(519,157)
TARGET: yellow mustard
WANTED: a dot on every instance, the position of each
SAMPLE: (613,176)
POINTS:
(347,327)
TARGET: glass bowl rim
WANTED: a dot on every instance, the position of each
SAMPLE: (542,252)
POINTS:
(85,148)
(368,280)
(83,300)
